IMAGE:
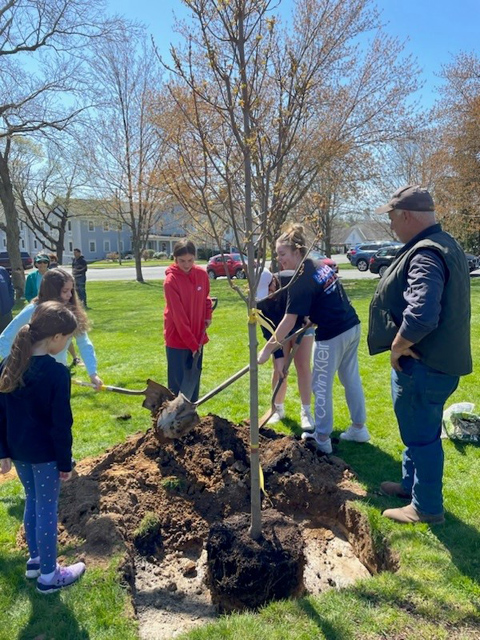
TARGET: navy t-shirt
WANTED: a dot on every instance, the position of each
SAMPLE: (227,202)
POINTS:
(318,293)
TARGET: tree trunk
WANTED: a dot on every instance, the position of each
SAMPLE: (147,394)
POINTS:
(13,230)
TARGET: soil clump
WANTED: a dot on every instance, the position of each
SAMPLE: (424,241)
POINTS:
(162,505)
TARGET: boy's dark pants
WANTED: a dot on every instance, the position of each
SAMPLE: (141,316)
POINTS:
(181,376)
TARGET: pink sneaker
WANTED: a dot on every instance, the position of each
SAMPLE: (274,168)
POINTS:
(63,577)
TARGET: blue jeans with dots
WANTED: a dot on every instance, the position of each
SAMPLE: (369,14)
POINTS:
(42,488)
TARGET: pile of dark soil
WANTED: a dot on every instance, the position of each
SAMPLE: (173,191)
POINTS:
(161,500)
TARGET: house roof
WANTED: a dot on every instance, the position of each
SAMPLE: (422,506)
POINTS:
(370,230)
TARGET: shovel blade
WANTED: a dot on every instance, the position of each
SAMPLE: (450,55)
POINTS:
(156,395)
(176,418)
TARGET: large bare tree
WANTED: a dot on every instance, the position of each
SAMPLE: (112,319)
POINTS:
(41,48)
(121,144)
(457,194)
(256,111)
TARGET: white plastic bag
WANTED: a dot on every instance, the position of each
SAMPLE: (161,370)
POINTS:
(459,422)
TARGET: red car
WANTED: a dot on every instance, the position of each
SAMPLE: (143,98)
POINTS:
(230,262)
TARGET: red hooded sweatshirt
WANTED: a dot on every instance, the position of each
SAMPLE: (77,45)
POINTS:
(188,306)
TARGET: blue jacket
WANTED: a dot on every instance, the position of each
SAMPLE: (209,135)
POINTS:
(7,293)
(83,342)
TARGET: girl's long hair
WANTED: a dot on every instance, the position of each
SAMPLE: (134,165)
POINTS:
(50,289)
(48,319)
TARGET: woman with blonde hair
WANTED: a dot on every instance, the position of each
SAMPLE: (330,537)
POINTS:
(317,293)
(57,285)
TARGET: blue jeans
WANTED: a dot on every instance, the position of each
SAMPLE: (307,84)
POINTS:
(80,286)
(419,394)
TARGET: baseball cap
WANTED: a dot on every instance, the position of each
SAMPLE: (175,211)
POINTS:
(409,198)
(42,257)
(265,280)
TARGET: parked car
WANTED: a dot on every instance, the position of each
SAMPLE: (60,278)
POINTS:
(360,256)
(318,255)
(473,261)
(383,259)
(27,261)
(216,266)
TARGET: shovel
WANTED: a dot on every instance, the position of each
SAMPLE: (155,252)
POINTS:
(179,416)
(155,394)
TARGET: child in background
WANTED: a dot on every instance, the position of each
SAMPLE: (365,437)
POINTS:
(36,434)
(32,283)
(57,285)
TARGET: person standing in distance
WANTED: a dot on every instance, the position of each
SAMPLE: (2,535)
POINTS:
(421,313)
(79,272)
(187,315)
(32,283)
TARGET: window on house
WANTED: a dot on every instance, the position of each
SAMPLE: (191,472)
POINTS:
(106,246)
(70,247)
(35,244)
(91,226)
(121,245)
(23,243)
(92,247)
(69,225)
(106,226)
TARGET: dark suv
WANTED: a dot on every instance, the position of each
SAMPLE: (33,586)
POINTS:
(383,259)
(360,256)
(5,260)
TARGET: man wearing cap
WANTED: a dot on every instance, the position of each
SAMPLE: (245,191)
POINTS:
(421,313)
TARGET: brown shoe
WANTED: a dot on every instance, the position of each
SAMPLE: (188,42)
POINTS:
(409,515)
(394,489)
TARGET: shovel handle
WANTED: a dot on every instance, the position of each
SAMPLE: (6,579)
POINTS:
(298,335)
(225,384)
(105,387)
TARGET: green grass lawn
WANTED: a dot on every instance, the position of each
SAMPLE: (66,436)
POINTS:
(434,595)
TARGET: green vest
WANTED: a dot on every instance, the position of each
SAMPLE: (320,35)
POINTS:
(446,348)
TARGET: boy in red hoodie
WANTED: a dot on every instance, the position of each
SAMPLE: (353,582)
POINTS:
(187,315)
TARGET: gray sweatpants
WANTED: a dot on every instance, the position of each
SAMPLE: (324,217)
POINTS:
(329,356)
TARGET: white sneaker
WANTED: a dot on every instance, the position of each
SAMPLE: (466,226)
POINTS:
(278,415)
(325,446)
(354,434)
(306,420)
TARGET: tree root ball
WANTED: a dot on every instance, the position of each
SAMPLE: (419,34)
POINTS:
(244,573)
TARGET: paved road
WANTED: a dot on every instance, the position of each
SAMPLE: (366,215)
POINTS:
(158,273)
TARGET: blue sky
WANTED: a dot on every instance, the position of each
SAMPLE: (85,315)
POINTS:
(436,30)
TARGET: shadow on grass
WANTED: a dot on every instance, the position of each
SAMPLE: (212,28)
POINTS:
(15,507)
(328,630)
(49,616)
